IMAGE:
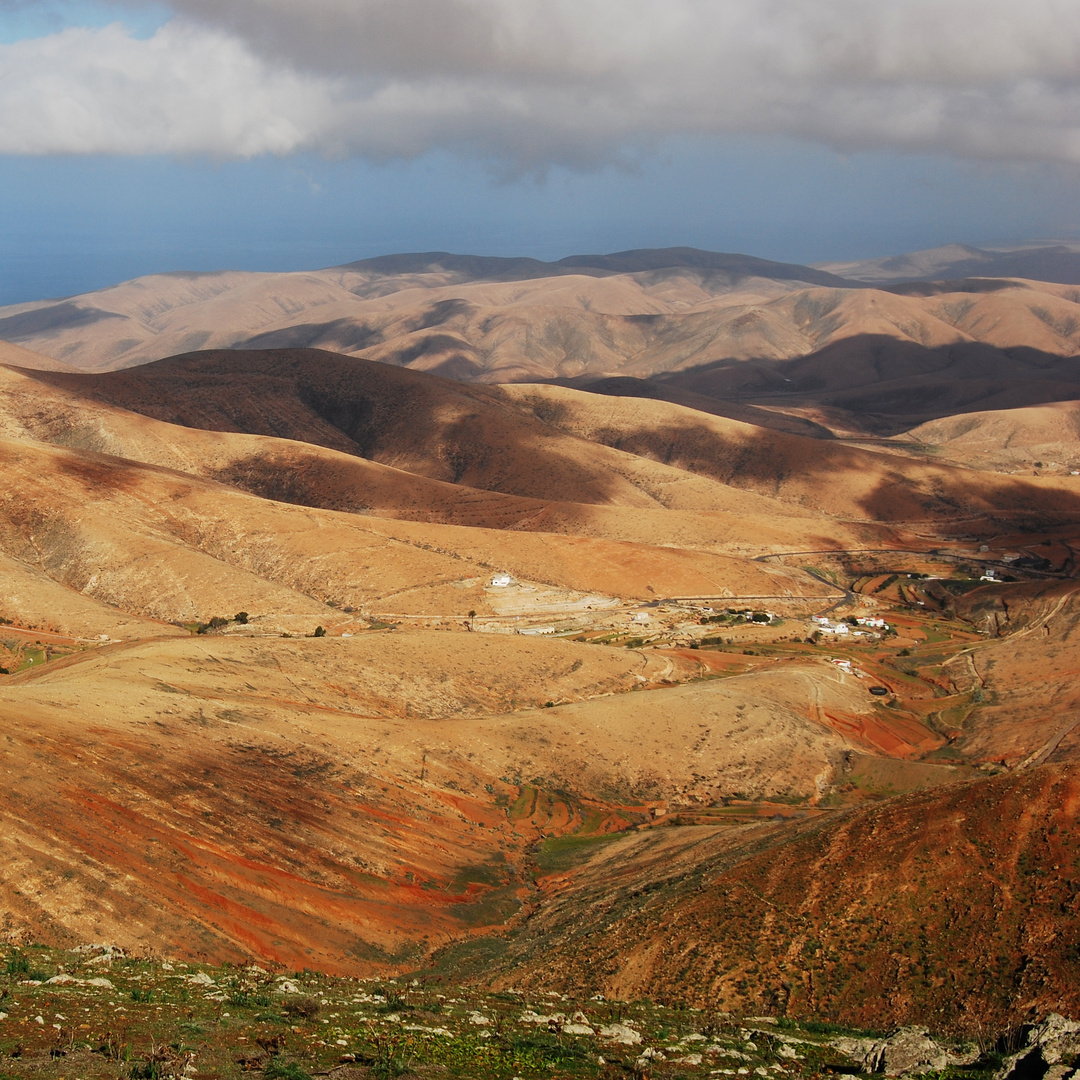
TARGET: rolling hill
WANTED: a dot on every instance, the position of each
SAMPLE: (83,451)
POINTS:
(636,314)
(711,636)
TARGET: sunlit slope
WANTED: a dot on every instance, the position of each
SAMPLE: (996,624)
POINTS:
(346,803)
(832,477)
(164,544)
(32,599)
(423,315)
(570,322)
(1008,439)
(25,358)
(951,904)
(624,496)
(1023,686)
(553,444)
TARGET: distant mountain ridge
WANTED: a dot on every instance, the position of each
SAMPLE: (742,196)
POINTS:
(1057,262)
(639,314)
(636,261)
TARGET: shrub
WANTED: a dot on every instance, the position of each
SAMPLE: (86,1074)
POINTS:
(276,1069)
(241,617)
(17,965)
(243,999)
(319,632)
(306,1007)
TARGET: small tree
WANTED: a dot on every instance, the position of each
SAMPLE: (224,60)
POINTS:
(241,617)
(319,632)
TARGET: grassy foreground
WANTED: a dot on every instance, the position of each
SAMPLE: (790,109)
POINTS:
(98,1013)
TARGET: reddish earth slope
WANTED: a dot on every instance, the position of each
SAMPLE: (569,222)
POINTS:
(960,905)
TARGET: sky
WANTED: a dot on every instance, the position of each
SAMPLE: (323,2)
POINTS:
(139,137)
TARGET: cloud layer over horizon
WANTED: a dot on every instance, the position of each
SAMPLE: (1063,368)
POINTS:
(528,84)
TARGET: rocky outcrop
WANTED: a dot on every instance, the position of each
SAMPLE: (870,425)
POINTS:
(1051,1051)
(910,1051)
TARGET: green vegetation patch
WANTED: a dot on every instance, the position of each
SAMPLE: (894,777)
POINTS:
(561,853)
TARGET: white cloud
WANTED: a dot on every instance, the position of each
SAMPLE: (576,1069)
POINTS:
(536,82)
(186,90)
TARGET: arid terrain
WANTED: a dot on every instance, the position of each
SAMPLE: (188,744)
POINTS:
(664,626)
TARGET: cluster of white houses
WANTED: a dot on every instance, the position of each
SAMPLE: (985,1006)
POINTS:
(841,629)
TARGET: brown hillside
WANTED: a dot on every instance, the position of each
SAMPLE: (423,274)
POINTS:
(166,545)
(957,905)
(576,321)
(644,491)
(834,477)
(1026,681)
(1008,440)
(882,385)
(16,356)
(747,680)
(551,444)
(345,803)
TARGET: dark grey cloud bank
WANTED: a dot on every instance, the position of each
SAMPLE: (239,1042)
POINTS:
(531,83)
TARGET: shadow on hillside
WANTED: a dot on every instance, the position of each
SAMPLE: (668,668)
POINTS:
(792,468)
(445,430)
(338,334)
(974,503)
(473,435)
(884,385)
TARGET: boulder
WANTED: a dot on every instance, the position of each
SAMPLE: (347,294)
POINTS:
(1051,1051)
(909,1052)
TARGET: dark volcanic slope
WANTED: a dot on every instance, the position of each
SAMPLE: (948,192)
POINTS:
(960,905)
(480,267)
(423,424)
(535,445)
(885,385)
(1039,262)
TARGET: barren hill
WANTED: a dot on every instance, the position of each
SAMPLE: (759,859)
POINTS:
(17,356)
(1058,262)
(943,904)
(544,443)
(744,676)
(1043,437)
(636,314)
